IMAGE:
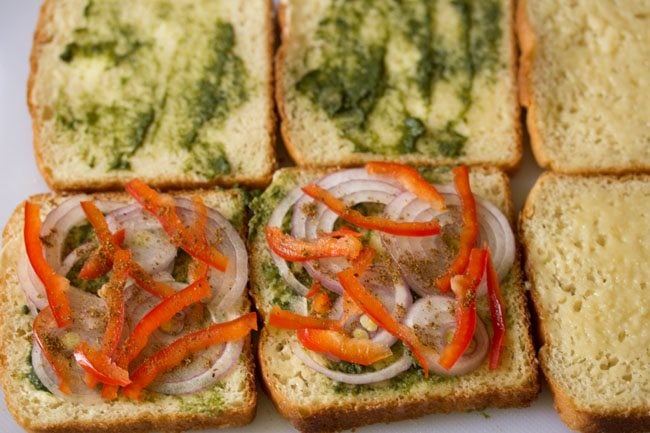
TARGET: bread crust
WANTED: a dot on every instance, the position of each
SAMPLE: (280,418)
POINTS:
(139,422)
(115,182)
(359,159)
(577,417)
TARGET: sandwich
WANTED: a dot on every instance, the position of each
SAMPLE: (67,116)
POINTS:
(127,312)
(385,297)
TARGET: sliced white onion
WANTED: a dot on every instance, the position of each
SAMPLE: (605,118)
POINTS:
(89,322)
(390,371)
(422,259)
(170,383)
(434,316)
(61,220)
(31,284)
(79,390)
(353,187)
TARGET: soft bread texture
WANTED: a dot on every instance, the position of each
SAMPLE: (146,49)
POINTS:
(587,246)
(583,78)
(115,84)
(491,124)
(231,402)
(314,403)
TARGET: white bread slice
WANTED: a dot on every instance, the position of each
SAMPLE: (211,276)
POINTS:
(314,403)
(587,247)
(491,125)
(231,402)
(176,93)
(584,79)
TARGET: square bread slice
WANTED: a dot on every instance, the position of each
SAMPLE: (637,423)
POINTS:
(587,247)
(230,402)
(315,403)
(584,79)
(177,93)
(423,82)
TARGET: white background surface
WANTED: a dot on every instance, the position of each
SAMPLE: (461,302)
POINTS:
(19,178)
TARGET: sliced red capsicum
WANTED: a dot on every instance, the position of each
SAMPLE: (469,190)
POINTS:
(109,244)
(284,319)
(113,294)
(469,233)
(378,313)
(153,320)
(159,315)
(163,208)
(297,250)
(172,355)
(56,286)
(371,222)
(99,366)
(497,314)
(411,180)
(464,287)
(336,343)
(101,260)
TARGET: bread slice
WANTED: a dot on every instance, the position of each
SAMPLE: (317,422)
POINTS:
(176,93)
(583,78)
(231,402)
(587,246)
(423,82)
(314,403)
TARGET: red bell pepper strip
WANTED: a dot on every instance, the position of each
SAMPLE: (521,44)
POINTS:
(172,355)
(411,180)
(469,233)
(164,209)
(110,243)
(465,321)
(371,222)
(298,250)
(113,294)
(284,319)
(335,343)
(99,366)
(99,262)
(343,231)
(321,303)
(497,314)
(364,260)
(159,315)
(51,348)
(378,313)
(56,286)
(314,289)
(464,286)
(155,318)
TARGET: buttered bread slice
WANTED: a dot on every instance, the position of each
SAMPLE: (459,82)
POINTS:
(424,82)
(584,78)
(587,244)
(177,93)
